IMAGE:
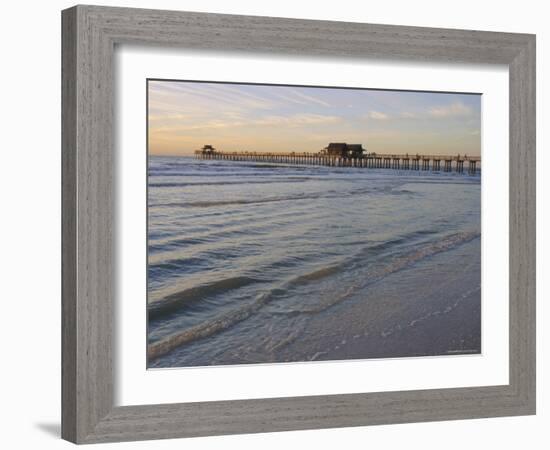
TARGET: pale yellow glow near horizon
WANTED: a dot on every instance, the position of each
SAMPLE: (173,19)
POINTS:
(184,116)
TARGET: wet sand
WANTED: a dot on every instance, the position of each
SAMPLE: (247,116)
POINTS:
(443,317)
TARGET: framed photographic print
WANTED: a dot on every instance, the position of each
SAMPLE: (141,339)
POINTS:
(265,229)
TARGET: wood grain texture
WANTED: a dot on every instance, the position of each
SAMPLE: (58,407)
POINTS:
(523,224)
(89,37)
(68,225)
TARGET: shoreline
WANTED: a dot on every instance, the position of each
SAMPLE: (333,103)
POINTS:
(442,319)
(439,318)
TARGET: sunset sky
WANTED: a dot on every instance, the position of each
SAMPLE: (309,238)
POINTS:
(184,116)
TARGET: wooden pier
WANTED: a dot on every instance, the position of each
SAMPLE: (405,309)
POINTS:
(434,163)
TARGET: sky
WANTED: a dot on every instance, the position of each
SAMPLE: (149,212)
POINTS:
(183,116)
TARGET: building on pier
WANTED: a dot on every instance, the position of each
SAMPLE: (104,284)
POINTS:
(208,149)
(344,150)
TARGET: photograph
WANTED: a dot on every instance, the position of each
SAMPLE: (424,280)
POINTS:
(310,223)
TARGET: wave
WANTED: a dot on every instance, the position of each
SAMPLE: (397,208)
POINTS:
(225,183)
(210,173)
(328,194)
(422,251)
(206,204)
(220,323)
(375,272)
(231,228)
(317,274)
(179,299)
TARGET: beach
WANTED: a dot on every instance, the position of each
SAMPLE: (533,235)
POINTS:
(263,263)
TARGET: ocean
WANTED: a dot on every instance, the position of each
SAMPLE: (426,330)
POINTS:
(264,263)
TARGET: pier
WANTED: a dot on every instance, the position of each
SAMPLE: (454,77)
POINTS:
(346,155)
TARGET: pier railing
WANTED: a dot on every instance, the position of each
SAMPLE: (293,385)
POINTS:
(437,163)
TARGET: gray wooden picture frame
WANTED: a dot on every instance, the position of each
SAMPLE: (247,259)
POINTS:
(90,34)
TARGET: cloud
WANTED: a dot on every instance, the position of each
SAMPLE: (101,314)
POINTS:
(208,95)
(303,99)
(377,115)
(297,120)
(174,116)
(456,109)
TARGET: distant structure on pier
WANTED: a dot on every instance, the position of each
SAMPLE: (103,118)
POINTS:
(341,154)
(343,150)
(208,149)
